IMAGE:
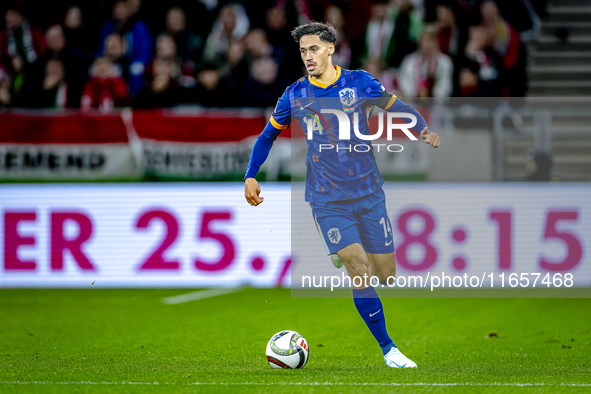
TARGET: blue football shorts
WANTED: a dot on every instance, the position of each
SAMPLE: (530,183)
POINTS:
(363,220)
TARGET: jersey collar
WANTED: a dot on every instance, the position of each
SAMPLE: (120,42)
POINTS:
(323,85)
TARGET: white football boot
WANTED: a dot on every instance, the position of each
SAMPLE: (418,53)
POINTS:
(395,359)
(336,260)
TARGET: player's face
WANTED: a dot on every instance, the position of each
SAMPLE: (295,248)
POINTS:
(315,54)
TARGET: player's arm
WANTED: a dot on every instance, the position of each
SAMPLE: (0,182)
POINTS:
(259,154)
(277,123)
(389,102)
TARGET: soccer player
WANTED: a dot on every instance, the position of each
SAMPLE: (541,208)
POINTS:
(343,186)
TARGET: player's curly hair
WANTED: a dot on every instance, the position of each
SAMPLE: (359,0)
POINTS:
(325,31)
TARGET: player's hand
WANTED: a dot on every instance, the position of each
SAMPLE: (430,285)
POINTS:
(252,191)
(430,138)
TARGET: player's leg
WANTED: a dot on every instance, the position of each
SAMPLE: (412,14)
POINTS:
(366,299)
(376,235)
(339,229)
(383,266)
(357,263)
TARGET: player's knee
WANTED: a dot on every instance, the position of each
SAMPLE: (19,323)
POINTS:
(361,272)
(358,268)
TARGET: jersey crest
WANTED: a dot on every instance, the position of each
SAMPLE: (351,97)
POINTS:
(347,96)
(334,235)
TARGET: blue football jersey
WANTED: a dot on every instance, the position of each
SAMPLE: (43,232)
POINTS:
(337,169)
(341,173)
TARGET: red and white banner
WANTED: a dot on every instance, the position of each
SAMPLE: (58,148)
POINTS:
(211,145)
(160,144)
(206,146)
(71,146)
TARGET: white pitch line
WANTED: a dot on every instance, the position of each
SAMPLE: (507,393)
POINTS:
(196,295)
(310,384)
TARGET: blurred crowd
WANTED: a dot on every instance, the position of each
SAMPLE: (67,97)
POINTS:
(148,54)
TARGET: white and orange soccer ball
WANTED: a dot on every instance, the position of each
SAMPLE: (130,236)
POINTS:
(287,350)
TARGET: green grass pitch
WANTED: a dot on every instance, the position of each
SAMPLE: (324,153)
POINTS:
(120,341)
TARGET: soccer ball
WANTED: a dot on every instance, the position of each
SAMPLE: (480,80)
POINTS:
(287,349)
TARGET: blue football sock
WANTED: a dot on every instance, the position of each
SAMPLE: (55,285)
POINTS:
(369,306)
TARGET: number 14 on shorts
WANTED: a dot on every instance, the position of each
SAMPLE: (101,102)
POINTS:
(387,229)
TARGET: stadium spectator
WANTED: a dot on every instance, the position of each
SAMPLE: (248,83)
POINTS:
(4,89)
(295,11)
(137,43)
(210,90)
(264,85)
(80,38)
(189,45)
(21,45)
(357,15)
(74,72)
(392,32)
(448,31)
(55,42)
(235,69)
(426,72)
(506,39)
(452,36)
(73,18)
(342,54)
(134,6)
(52,91)
(113,49)
(509,46)
(468,82)
(387,77)
(468,10)
(481,73)
(105,90)
(377,34)
(163,90)
(276,26)
(258,47)
(232,24)
(538,166)
(183,70)
(278,33)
